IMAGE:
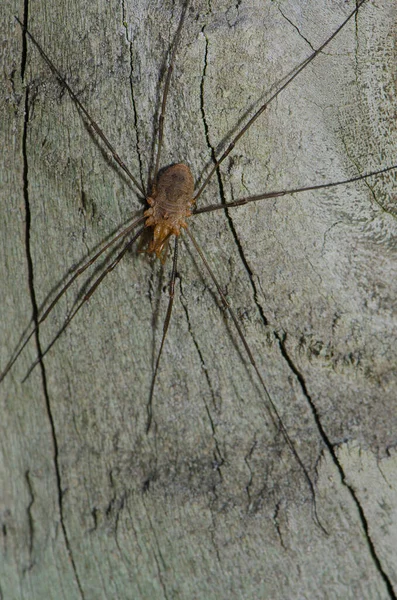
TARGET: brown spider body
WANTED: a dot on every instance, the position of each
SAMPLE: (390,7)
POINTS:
(170,203)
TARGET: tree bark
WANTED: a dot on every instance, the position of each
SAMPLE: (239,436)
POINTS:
(211,503)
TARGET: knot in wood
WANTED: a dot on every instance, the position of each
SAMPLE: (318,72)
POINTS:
(170,203)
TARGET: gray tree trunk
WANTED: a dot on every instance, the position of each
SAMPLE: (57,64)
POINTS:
(211,503)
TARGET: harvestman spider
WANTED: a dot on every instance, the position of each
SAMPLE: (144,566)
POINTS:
(172,200)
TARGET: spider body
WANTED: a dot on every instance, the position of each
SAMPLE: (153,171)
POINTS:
(170,203)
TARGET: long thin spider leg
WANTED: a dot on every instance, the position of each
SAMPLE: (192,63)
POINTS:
(62,291)
(165,330)
(166,90)
(271,407)
(258,113)
(86,297)
(75,99)
(278,194)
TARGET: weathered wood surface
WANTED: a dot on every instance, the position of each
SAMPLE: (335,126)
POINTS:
(210,504)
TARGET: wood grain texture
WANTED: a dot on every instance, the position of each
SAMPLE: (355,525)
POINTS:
(211,504)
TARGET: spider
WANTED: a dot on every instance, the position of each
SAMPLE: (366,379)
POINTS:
(280,340)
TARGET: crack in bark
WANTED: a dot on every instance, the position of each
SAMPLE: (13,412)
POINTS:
(202,108)
(30,517)
(133,101)
(330,448)
(297,29)
(281,342)
(35,310)
(277,525)
(222,193)
(230,220)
